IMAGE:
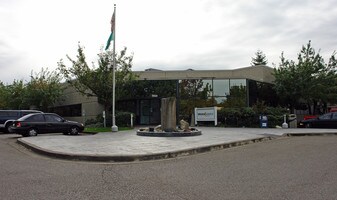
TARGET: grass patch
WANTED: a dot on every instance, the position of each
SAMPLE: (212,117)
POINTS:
(104,129)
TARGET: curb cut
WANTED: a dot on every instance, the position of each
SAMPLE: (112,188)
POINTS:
(144,157)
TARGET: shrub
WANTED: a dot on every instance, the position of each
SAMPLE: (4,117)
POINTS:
(124,119)
(90,121)
(249,117)
(229,116)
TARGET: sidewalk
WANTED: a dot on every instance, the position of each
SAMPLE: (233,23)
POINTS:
(126,146)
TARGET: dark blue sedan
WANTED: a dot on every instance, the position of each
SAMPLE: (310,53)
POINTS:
(328,120)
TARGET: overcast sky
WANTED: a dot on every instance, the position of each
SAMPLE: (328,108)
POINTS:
(162,34)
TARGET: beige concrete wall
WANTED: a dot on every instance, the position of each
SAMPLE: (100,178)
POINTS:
(90,105)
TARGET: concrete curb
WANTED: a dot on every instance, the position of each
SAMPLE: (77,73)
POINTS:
(159,156)
(309,134)
(144,157)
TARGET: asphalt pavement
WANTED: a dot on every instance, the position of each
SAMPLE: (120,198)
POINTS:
(127,146)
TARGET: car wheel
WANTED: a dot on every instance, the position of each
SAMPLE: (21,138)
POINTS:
(32,132)
(308,125)
(74,130)
(7,128)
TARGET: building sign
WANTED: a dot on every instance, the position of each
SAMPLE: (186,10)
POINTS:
(206,114)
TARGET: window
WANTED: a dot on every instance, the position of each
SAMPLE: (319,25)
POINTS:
(9,113)
(68,111)
(238,93)
(326,116)
(53,118)
(28,112)
(238,82)
(36,118)
(221,88)
(334,115)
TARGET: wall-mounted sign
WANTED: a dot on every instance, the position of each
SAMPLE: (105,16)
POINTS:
(206,114)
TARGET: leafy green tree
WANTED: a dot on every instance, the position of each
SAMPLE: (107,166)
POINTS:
(259,59)
(13,96)
(3,95)
(41,92)
(98,81)
(193,94)
(44,89)
(192,89)
(309,80)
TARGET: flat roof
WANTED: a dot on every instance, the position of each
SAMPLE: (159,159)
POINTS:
(258,73)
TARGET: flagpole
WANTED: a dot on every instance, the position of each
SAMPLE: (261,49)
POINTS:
(114,128)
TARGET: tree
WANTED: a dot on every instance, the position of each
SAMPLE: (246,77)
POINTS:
(44,89)
(3,94)
(309,80)
(193,94)
(97,81)
(192,89)
(260,59)
(13,96)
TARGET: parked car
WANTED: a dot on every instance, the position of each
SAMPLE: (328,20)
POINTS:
(328,120)
(7,117)
(33,124)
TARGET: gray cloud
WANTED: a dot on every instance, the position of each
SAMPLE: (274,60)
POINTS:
(210,34)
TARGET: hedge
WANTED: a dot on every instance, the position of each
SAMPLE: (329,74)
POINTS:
(249,117)
(123,119)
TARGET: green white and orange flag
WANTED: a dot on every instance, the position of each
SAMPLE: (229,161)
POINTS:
(111,37)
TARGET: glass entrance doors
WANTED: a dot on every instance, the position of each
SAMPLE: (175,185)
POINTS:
(150,111)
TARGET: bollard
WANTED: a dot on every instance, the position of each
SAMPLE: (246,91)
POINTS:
(285,125)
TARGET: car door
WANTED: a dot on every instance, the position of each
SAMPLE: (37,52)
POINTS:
(324,121)
(55,123)
(334,120)
(38,122)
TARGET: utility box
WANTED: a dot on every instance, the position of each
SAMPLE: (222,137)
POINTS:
(263,121)
(292,121)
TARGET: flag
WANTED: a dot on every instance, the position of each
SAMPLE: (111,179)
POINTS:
(109,41)
(111,37)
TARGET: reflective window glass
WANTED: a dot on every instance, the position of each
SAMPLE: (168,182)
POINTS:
(334,115)
(326,116)
(220,99)
(238,82)
(36,118)
(221,87)
(53,118)
(207,84)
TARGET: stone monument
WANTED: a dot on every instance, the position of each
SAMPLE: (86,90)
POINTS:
(168,114)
